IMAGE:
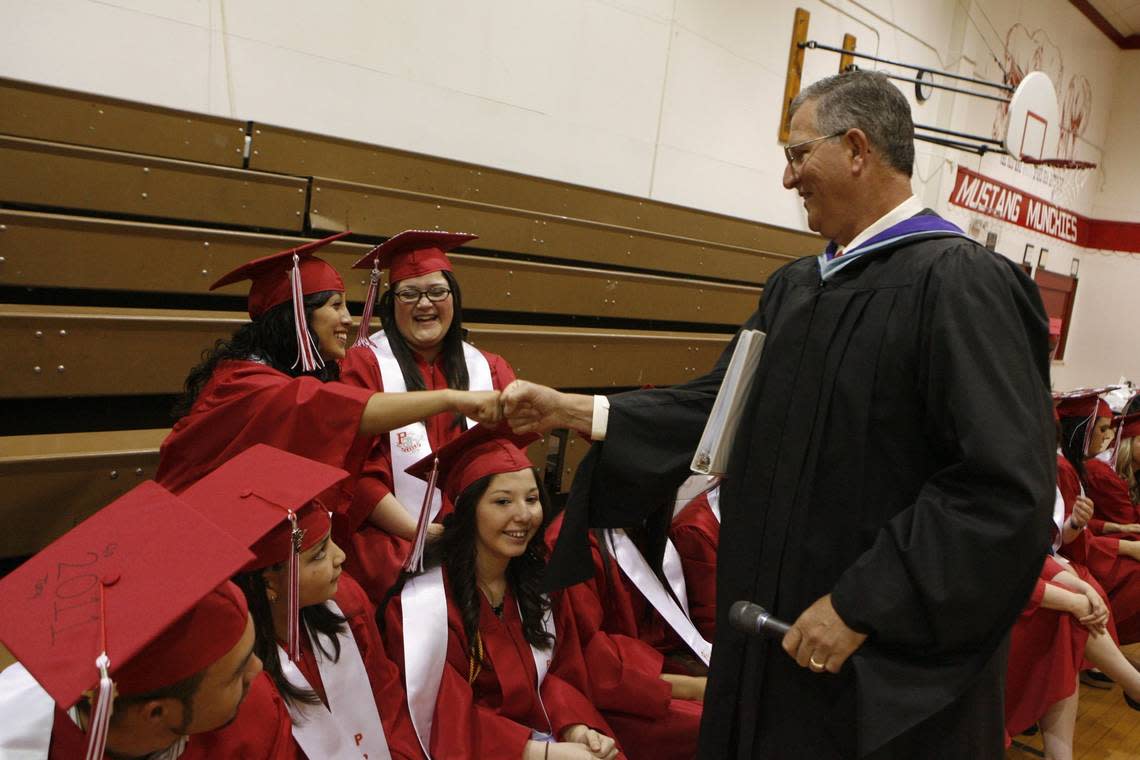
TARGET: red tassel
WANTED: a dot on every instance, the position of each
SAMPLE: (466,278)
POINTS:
(307,354)
(415,561)
(362,338)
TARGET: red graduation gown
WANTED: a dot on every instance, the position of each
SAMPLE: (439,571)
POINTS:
(492,718)
(1119,576)
(1109,493)
(374,555)
(624,670)
(387,686)
(696,532)
(1046,653)
(261,731)
(245,403)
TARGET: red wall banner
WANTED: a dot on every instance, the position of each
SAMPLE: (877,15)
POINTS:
(987,196)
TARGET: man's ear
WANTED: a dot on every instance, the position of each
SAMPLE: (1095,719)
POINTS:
(859,148)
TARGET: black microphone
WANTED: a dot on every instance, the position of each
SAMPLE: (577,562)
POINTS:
(754,620)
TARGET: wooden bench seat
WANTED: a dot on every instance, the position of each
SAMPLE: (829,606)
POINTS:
(55,175)
(57,251)
(97,351)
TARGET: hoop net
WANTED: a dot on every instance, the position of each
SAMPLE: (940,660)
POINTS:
(1066,176)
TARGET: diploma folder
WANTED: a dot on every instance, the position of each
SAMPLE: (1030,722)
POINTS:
(711,457)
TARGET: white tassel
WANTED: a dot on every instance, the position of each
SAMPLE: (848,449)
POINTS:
(101,714)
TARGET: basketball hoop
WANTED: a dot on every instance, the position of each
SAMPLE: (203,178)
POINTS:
(1066,176)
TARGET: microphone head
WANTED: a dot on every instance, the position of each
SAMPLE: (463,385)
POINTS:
(739,617)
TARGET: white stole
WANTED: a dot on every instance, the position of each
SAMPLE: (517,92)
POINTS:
(629,559)
(28,715)
(423,606)
(410,444)
(1058,518)
(714,502)
(350,726)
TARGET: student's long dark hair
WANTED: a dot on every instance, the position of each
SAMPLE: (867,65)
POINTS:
(271,338)
(454,365)
(455,551)
(317,618)
(1073,432)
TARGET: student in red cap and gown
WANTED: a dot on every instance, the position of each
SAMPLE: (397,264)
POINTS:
(1122,516)
(696,532)
(343,692)
(420,347)
(129,639)
(274,380)
(1085,430)
(490,673)
(623,614)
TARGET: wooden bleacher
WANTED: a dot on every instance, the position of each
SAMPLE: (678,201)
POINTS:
(115,217)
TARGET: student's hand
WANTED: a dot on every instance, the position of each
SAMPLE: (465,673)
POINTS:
(820,640)
(686,687)
(533,408)
(1130,528)
(599,745)
(1082,512)
(1097,617)
(481,406)
(434,531)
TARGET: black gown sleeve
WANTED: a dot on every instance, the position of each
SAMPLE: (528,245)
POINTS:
(927,581)
(650,439)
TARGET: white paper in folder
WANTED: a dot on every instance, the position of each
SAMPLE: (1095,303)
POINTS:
(711,457)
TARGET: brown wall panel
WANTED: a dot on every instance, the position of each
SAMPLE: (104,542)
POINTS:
(48,250)
(293,152)
(56,175)
(69,116)
(376,211)
(52,483)
(77,351)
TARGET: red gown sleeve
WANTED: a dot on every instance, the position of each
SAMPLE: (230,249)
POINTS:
(1109,493)
(246,403)
(502,373)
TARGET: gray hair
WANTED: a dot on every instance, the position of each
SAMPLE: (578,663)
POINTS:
(868,101)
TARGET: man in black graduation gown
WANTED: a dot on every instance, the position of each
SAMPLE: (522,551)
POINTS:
(891,484)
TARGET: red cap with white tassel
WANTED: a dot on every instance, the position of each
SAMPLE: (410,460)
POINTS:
(132,600)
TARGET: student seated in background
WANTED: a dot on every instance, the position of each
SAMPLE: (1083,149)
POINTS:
(420,347)
(695,532)
(652,702)
(316,629)
(493,667)
(130,640)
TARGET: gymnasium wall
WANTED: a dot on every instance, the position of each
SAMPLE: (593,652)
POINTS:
(675,100)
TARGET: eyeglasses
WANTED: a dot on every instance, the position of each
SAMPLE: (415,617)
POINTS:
(412,296)
(796,159)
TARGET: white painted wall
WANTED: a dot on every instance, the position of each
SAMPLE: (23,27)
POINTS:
(676,100)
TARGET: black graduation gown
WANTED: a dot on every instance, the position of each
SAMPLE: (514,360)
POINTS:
(873,463)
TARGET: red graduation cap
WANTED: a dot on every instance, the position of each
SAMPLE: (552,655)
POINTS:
(290,274)
(481,451)
(1084,402)
(1128,425)
(137,593)
(410,253)
(265,498)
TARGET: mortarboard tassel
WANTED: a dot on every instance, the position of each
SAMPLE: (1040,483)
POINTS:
(293,640)
(101,713)
(362,338)
(415,561)
(307,354)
